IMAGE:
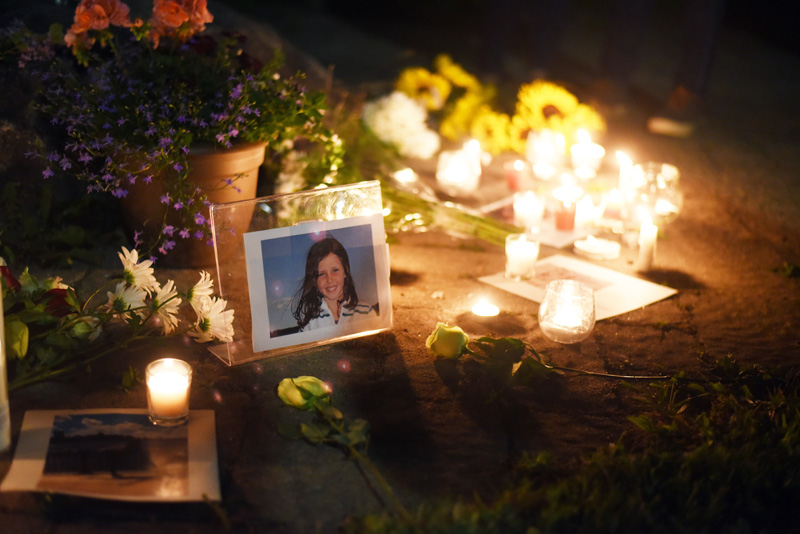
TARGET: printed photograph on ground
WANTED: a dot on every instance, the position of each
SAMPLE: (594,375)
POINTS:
(116,454)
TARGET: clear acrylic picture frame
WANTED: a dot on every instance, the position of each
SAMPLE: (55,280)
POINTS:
(330,206)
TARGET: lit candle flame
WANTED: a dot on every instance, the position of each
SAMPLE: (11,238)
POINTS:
(484,308)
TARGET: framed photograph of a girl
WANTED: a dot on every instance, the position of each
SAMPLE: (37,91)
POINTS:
(318,282)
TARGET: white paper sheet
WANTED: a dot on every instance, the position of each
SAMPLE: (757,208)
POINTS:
(615,293)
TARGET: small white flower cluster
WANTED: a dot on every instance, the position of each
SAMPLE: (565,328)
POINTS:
(130,297)
(400,120)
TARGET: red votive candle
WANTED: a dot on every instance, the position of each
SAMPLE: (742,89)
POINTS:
(565,215)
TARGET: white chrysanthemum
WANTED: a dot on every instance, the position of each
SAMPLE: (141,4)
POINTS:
(201,290)
(166,305)
(125,298)
(136,273)
(213,321)
(399,119)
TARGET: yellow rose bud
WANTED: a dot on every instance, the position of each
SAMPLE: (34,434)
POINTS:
(447,341)
(301,392)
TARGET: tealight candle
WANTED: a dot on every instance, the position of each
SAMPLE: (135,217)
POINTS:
(566,314)
(586,155)
(168,381)
(597,249)
(483,308)
(648,233)
(522,251)
(528,209)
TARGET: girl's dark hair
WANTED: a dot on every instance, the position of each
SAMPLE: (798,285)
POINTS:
(308,297)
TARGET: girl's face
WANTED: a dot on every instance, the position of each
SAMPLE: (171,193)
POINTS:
(330,277)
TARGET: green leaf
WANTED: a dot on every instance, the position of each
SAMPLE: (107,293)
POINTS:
(329,411)
(643,422)
(130,378)
(17,338)
(314,432)
(507,349)
(531,370)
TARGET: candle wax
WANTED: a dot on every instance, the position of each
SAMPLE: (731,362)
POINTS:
(169,393)
(648,234)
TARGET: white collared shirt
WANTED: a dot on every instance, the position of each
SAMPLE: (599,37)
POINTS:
(324,318)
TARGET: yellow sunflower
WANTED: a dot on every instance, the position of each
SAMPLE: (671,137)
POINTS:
(541,103)
(455,73)
(424,86)
(491,129)
(545,105)
(518,131)
(458,120)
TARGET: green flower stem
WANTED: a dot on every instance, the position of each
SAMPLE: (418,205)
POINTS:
(593,373)
(367,465)
(606,375)
(446,216)
(36,377)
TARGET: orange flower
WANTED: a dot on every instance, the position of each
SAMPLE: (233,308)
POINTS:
(98,14)
(170,18)
(168,14)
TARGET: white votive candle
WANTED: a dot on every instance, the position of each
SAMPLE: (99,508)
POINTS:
(648,233)
(168,381)
(522,251)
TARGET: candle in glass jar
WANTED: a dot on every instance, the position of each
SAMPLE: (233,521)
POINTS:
(168,381)
(565,206)
(518,174)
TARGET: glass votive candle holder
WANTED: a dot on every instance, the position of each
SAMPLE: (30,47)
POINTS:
(522,251)
(566,314)
(519,175)
(168,382)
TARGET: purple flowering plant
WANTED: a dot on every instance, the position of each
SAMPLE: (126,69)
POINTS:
(127,113)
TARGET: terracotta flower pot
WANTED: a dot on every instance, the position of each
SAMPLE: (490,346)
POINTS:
(209,170)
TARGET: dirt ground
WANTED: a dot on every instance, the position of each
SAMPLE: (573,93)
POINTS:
(435,432)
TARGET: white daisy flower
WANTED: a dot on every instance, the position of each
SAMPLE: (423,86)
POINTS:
(139,274)
(201,291)
(213,321)
(125,298)
(166,305)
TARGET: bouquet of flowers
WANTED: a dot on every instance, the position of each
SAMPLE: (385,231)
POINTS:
(464,107)
(51,331)
(129,99)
